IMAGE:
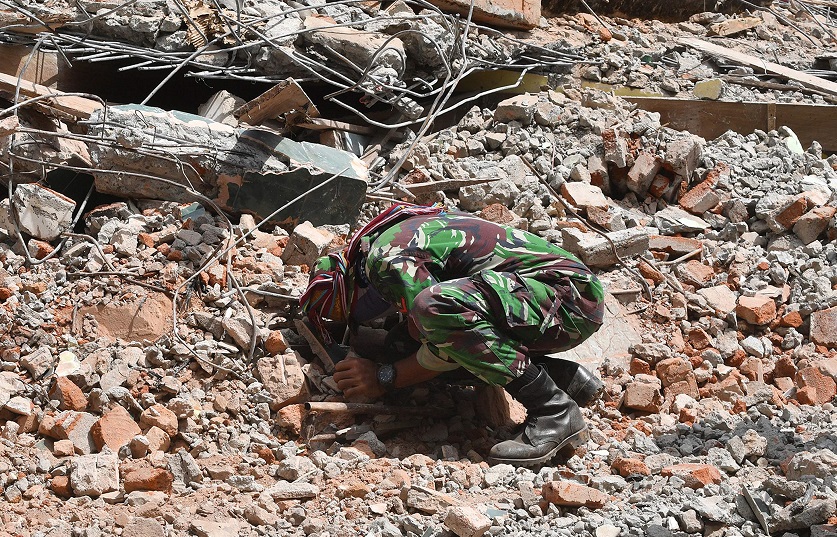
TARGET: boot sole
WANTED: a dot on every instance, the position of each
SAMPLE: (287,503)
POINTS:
(573,442)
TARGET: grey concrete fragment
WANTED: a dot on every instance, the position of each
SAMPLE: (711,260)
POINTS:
(184,468)
(93,475)
(596,251)
(285,490)
(673,220)
(42,213)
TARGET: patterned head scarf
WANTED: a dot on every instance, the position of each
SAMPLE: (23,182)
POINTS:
(333,286)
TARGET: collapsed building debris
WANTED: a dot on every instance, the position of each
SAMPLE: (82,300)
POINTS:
(155,377)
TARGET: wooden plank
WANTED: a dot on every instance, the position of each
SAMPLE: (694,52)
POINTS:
(286,97)
(70,104)
(710,119)
(809,81)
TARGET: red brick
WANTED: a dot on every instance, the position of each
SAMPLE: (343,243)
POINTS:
(688,416)
(757,310)
(824,327)
(673,370)
(642,173)
(695,273)
(701,197)
(813,223)
(115,429)
(148,479)
(784,383)
(650,273)
(687,386)
(643,396)
(627,466)
(699,339)
(146,239)
(639,367)
(753,369)
(39,249)
(695,475)
(160,416)
(573,495)
(275,343)
(497,213)
(68,395)
(792,319)
(5,293)
(659,185)
(815,388)
(788,216)
(60,485)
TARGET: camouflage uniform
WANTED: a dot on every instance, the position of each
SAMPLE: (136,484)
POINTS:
(484,296)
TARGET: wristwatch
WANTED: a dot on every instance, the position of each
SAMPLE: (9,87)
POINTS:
(386,376)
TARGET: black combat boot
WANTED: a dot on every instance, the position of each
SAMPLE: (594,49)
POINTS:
(573,378)
(553,421)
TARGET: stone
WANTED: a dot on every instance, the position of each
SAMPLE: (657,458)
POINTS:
(812,224)
(76,426)
(159,416)
(38,362)
(284,490)
(60,485)
(465,521)
(824,327)
(700,198)
(694,475)
(673,219)
(10,386)
(711,89)
(815,388)
(282,377)
(42,213)
(643,396)
(615,148)
(211,528)
(275,343)
(148,317)
(158,439)
(63,448)
(584,196)
(520,108)
(757,310)
(158,479)
(143,527)
(683,155)
(68,395)
(627,466)
(720,298)
(184,469)
(695,273)
(673,370)
(114,429)
(642,173)
(573,494)
(93,475)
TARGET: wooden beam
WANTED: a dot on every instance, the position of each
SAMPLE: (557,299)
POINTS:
(809,81)
(710,119)
(69,104)
(286,97)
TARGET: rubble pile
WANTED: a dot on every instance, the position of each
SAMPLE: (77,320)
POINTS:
(154,380)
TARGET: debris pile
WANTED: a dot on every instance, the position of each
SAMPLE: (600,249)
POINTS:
(154,379)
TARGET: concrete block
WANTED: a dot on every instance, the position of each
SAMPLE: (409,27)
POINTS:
(42,213)
(306,244)
(595,251)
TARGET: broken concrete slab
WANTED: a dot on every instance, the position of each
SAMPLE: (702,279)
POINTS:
(243,170)
(41,212)
(596,251)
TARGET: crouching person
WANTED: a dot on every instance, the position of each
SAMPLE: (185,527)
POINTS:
(485,297)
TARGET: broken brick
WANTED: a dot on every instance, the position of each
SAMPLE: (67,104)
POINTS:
(115,429)
(694,475)
(573,494)
(673,370)
(787,216)
(814,387)
(148,479)
(68,395)
(824,327)
(643,396)
(627,466)
(757,310)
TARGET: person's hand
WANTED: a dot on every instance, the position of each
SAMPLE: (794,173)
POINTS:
(358,378)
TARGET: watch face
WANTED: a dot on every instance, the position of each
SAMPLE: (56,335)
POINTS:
(386,375)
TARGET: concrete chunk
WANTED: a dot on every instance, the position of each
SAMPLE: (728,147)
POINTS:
(596,251)
(42,213)
(93,475)
(306,244)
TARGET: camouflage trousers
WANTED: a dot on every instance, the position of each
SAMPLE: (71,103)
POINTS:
(492,323)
